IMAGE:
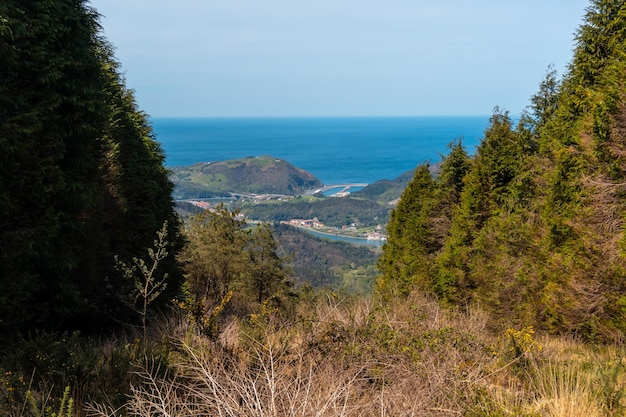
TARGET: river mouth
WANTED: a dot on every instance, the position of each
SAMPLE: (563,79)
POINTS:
(337,190)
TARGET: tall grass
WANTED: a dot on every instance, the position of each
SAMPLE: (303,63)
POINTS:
(343,356)
(564,390)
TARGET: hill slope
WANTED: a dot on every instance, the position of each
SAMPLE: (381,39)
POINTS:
(325,263)
(385,191)
(252,175)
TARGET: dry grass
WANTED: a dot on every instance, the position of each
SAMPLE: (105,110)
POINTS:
(564,391)
(359,358)
(348,358)
(212,383)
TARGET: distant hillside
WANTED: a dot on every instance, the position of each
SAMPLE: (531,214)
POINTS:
(332,211)
(326,263)
(386,190)
(251,175)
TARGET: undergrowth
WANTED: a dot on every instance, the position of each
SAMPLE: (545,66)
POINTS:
(340,356)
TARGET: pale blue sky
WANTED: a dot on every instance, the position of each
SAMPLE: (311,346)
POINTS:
(209,58)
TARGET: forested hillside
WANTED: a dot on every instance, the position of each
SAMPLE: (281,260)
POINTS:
(385,191)
(82,176)
(332,211)
(323,263)
(531,228)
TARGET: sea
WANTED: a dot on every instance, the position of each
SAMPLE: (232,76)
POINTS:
(337,150)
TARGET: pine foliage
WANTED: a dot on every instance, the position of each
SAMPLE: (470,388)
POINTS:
(535,235)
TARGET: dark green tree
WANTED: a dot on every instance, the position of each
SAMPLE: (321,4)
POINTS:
(500,157)
(451,180)
(543,106)
(544,103)
(82,176)
(52,113)
(138,193)
(410,236)
(214,258)
(486,189)
(535,236)
(599,39)
(266,277)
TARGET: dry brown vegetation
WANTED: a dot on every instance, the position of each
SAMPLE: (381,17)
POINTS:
(355,357)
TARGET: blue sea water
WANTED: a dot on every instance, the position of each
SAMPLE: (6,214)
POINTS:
(335,150)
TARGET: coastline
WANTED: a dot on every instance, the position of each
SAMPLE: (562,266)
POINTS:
(335,150)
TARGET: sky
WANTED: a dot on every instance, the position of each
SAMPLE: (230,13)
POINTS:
(291,58)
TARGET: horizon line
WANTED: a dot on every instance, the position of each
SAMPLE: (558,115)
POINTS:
(329,117)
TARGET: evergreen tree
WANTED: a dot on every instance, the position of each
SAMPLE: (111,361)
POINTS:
(82,176)
(410,236)
(214,258)
(138,192)
(532,229)
(52,113)
(545,102)
(451,180)
(598,42)
(420,224)
(543,106)
(266,277)
(486,189)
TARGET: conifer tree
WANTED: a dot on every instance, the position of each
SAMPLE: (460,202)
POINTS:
(536,235)
(266,276)
(214,258)
(138,192)
(410,236)
(544,103)
(585,199)
(451,180)
(82,176)
(486,189)
(598,41)
(52,113)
